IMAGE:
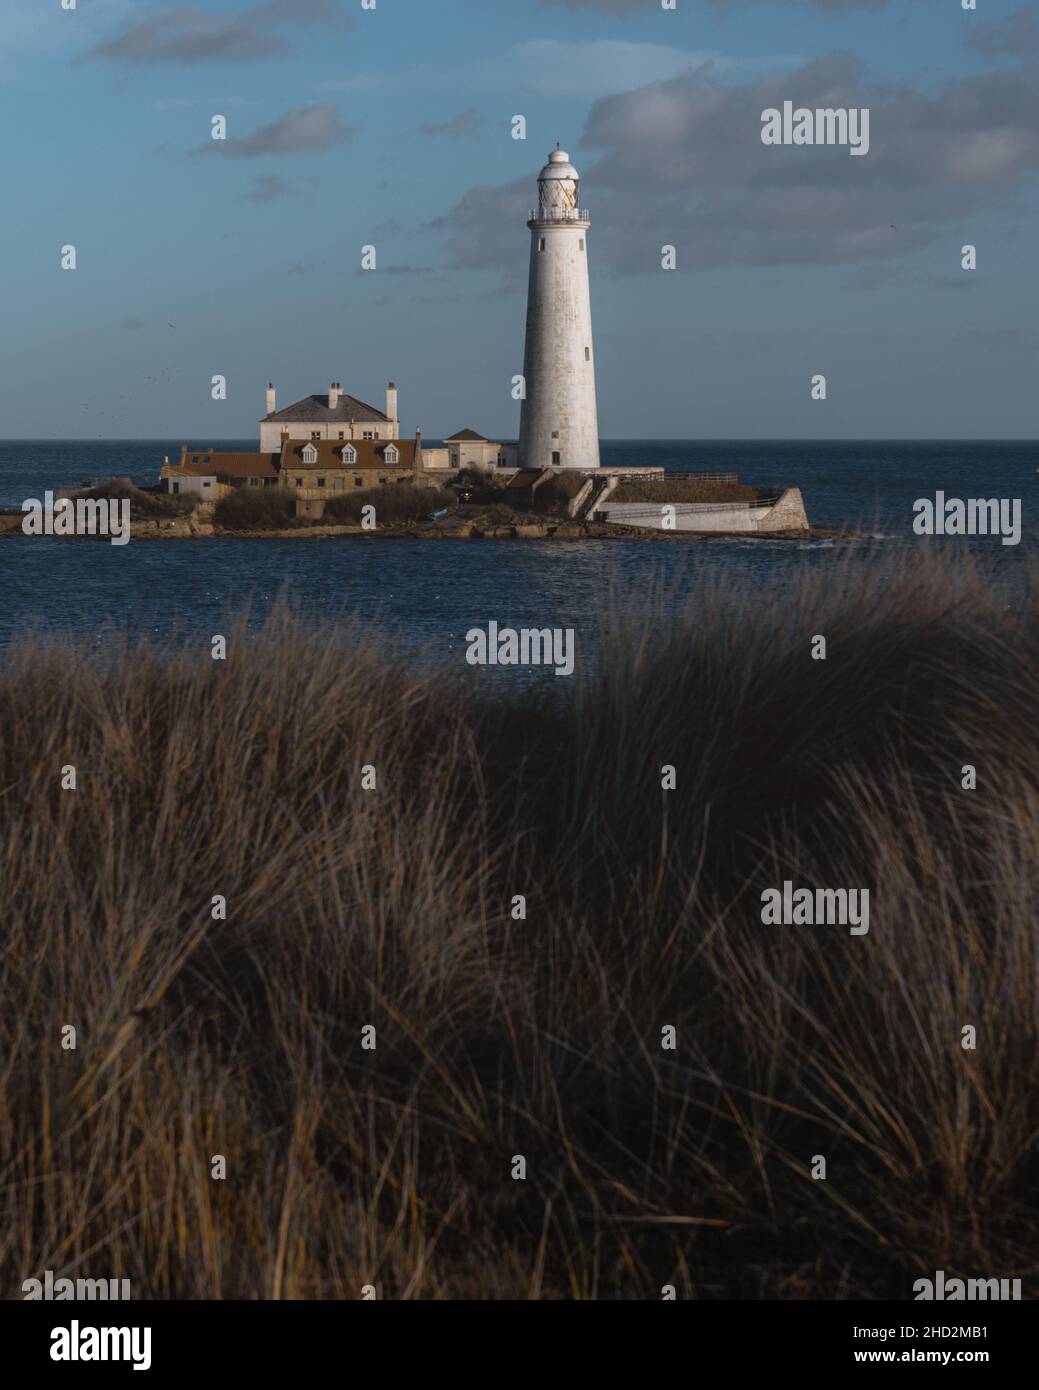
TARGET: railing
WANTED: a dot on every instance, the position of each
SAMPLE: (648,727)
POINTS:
(684,508)
(558,215)
(705,477)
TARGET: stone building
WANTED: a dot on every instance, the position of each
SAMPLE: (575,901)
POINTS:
(210,473)
(335,416)
(312,470)
(319,469)
(467,449)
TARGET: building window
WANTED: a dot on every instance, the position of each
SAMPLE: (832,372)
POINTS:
(309,454)
(321,482)
(555,458)
(358,482)
(349,454)
(383,482)
(298,482)
(368,434)
(254,482)
(392,455)
(337,485)
(175,487)
(315,434)
(206,482)
(194,458)
(342,435)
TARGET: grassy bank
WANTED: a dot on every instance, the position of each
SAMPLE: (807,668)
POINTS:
(248,509)
(540,1037)
(143,503)
(682,490)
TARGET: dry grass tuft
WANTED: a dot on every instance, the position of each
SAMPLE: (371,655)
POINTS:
(541,1037)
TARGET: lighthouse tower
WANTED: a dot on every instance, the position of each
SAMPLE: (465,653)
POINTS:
(558,422)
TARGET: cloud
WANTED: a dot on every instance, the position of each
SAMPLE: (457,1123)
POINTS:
(1015,36)
(464,124)
(599,67)
(623,7)
(304,129)
(268,188)
(879,276)
(487,229)
(681,162)
(833,6)
(189,35)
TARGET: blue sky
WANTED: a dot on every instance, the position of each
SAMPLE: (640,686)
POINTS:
(392,127)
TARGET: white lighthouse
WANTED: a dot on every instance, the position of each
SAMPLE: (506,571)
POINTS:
(559,425)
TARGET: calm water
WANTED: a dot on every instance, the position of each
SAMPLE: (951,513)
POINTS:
(428,593)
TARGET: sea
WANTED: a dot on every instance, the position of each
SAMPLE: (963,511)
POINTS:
(425,596)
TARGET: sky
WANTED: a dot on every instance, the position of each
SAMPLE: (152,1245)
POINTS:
(392,127)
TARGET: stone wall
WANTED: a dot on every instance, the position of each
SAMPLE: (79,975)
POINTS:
(739,518)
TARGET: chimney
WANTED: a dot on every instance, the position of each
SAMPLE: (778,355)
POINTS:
(333,395)
(418,448)
(271,407)
(391,406)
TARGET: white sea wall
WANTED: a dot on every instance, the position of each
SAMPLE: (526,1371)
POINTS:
(739,518)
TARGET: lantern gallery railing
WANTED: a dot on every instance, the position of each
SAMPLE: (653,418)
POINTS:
(558,215)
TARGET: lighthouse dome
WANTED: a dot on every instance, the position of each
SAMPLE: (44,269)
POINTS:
(559,166)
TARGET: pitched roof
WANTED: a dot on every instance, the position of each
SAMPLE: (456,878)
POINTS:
(468,435)
(229,465)
(316,408)
(371,453)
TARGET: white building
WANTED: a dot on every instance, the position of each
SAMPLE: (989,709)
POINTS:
(559,425)
(335,416)
(468,449)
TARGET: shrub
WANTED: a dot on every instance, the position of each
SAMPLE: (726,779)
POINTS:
(394,504)
(144,502)
(552,496)
(256,509)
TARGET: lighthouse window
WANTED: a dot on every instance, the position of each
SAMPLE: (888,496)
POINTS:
(555,458)
(582,243)
(541,244)
(587,354)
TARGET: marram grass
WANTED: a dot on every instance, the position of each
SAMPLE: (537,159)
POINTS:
(540,1037)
